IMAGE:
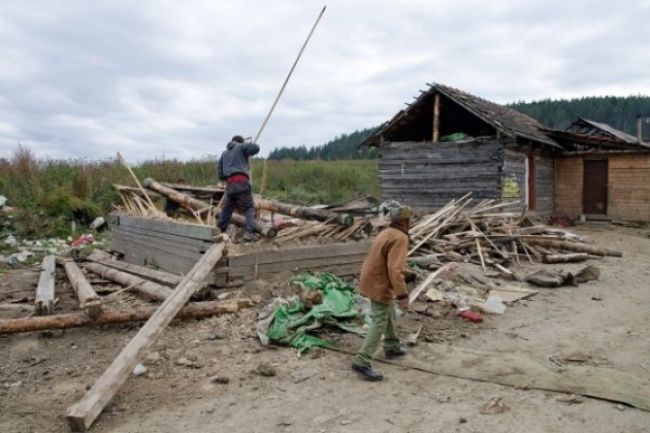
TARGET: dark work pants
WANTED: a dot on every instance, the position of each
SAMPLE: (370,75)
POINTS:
(238,194)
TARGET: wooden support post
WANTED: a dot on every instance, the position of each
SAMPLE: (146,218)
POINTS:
(199,205)
(88,299)
(110,316)
(82,414)
(436,118)
(44,301)
(147,288)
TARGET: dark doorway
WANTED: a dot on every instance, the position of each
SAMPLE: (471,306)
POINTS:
(594,197)
(532,190)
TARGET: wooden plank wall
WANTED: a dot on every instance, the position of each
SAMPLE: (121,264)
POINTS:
(427,175)
(629,187)
(545,184)
(568,186)
(515,178)
(513,181)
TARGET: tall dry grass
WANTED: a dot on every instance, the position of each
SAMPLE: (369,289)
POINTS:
(49,194)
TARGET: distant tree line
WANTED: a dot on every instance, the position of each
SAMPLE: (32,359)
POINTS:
(620,112)
(345,146)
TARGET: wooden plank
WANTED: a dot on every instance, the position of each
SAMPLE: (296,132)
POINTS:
(525,371)
(179,240)
(44,301)
(157,244)
(163,242)
(81,415)
(195,231)
(295,265)
(151,256)
(298,253)
(339,270)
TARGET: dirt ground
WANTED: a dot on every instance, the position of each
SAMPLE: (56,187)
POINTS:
(41,374)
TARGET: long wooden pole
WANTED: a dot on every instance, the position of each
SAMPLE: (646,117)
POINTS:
(89,301)
(147,288)
(303,211)
(277,98)
(82,414)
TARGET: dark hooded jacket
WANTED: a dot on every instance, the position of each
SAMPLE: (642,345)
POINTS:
(235,159)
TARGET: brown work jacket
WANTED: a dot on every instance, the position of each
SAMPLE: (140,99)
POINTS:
(382,273)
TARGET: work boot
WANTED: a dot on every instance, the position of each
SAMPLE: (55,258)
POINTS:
(368,373)
(250,237)
(395,353)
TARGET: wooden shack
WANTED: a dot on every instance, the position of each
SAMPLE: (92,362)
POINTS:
(448,143)
(602,173)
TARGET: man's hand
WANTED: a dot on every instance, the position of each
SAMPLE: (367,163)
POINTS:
(404,304)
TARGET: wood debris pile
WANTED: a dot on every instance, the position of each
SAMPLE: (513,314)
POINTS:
(487,234)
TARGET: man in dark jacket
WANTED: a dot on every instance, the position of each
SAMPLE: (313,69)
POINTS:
(234,168)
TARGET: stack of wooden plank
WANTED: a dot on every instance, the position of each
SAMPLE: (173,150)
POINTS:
(483,233)
(166,243)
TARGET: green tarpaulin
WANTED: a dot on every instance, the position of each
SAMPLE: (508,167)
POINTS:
(294,326)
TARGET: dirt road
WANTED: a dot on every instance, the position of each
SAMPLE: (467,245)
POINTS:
(603,323)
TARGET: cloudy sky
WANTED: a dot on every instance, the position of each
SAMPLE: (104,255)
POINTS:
(176,79)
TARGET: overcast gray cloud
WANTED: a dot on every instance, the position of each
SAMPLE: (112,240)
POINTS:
(83,79)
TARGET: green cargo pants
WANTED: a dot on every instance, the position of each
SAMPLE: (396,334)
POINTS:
(383,322)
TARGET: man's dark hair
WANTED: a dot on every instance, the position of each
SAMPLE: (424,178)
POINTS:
(238,139)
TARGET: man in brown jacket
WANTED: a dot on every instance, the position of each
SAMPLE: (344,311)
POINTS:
(382,281)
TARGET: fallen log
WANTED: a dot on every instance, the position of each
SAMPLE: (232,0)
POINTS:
(44,301)
(574,246)
(147,288)
(196,205)
(111,316)
(89,301)
(82,414)
(566,258)
(305,212)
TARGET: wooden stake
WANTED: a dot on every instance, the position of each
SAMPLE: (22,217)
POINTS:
(82,414)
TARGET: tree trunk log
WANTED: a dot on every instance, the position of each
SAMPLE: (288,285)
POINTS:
(110,316)
(152,290)
(303,211)
(198,205)
(574,246)
(88,299)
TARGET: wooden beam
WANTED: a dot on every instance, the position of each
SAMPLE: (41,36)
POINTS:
(89,301)
(147,288)
(82,414)
(436,118)
(110,316)
(44,301)
(161,277)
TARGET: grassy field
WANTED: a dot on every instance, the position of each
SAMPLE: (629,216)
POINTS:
(49,194)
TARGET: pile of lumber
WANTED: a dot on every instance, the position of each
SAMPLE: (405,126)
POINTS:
(486,233)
